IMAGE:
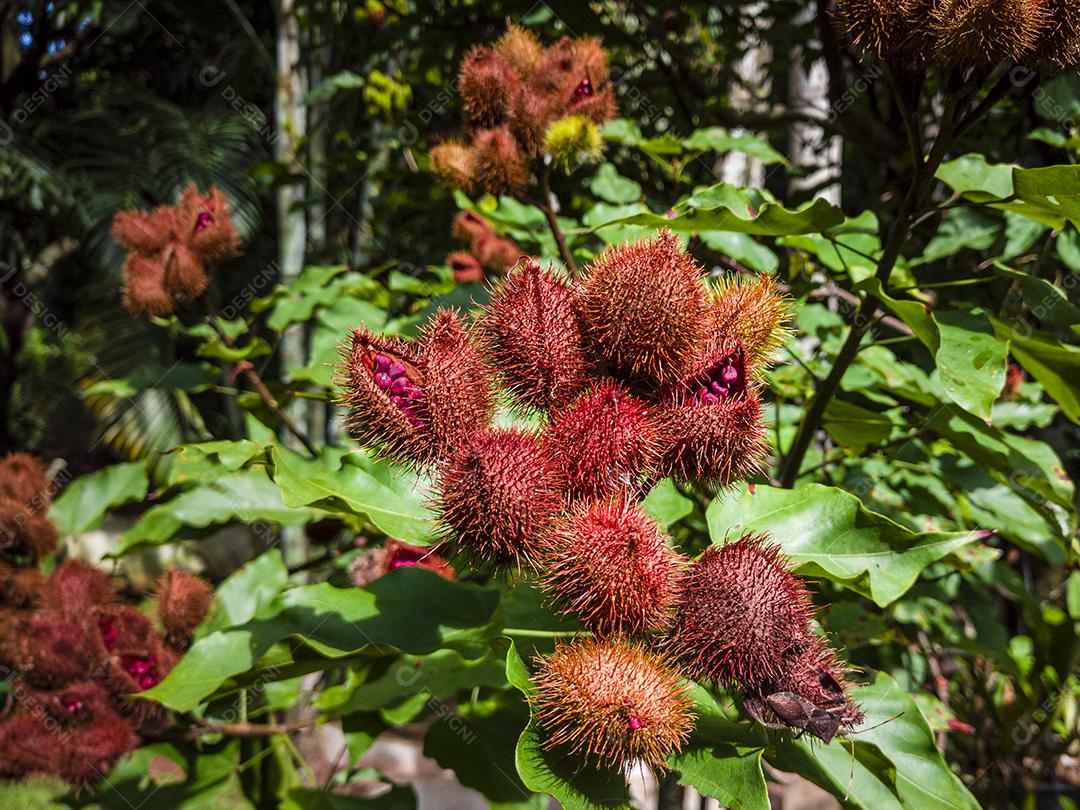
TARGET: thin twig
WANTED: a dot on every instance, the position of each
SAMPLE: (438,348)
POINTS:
(553,220)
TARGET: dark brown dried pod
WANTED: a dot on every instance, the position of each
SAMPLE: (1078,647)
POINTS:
(984,33)
(23,479)
(489,87)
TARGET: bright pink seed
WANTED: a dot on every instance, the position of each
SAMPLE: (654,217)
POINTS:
(383,380)
(396,370)
(729,374)
(636,722)
(203,221)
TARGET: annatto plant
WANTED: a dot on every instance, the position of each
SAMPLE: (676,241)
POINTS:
(626,490)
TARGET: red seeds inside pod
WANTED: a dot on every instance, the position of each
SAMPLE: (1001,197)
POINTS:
(612,702)
(392,375)
(724,379)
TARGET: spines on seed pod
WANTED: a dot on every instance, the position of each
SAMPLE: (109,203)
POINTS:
(711,426)
(76,588)
(498,162)
(522,50)
(496,495)
(646,308)
(572,141)
(469,226)
(20,587)
(144,286)
(607,442)
(144,232)
(983,33)
(452,162)
(25,533)
(531,333)
(489,87)
(608,563)
(457,389)
(465,267)
(182,603)
(1058,48)
(204,224)
(23,479)
(753,311)
(90,751)
(612,702)
(51,651)
(496,253)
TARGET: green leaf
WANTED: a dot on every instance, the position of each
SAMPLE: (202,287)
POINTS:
(302,798)
(339,481)
(609,185)
(717,139)
(742,248)
(248,590)
(86,500)
(553,772)
(827,532)
(331,85)
(858,428)
(1054,364)
(666,504)
(1047,301)
(992,185)
(217,350)
(890,761)
(387,615)
(851,248)
(1053,188)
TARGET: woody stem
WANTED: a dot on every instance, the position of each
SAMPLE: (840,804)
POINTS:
(546,206)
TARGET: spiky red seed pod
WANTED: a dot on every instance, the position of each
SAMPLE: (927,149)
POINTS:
(522,50)
(134,659)
(1058,48)
(205,225)
(890,30)
(497,495)
(646,307)
(185,277)
(182,603)
(72,704)
(498,162)
(144,286)
(457,387)
(574,75)
(985,32)
(144,231)
(496,253)
(453,163)
(531,333)
(489,87)
(607,442)
(25,534)
(742,615)
(51,651)
(610,565)
(612,702)
(90,751)
(465,267)
(530,118)
(711,425)
(20,587)
(27,746)
(753,311)
(75,588)
(396,554)
(469,226)
(23,479)
(382,388)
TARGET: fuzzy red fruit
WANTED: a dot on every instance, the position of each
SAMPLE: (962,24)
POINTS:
(90,751)
(136,658)
(205,225)
(607,442)
(613,703)
(144,286)
(51,651)
(742,612)
(395,554)
(144,232)
(453,163)
(532,335)
(530,119)
(522,50)
(465,267)
(25,533)
(182,603)
(27,746)
(610,565)
(489,87)
(23,479)
(469,226)
(711,426)
(752,311)
(70,705)
(496,497)
(457,386)
(983,33)
(646,308)
(76,588)
(498,163)
(1058,48)
(383,389)
(19,587)
(496,253)
(185,277)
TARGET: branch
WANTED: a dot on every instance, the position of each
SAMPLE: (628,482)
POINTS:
(249,729)
(553,221)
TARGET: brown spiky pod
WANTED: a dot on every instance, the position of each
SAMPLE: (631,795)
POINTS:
(530,119)
(574,76)
(70,705)
(378,562)
(133,658)
(51,651)
(531,333)
(489,87)
(25,533)
(27,746)
(382,387)
(522,50)
(891,30)
(498,163)
(607,441)
(742,613)
(182,603)
(144,290)
(146,232)
(496,253)
(185,276)
(91,750)
(452,162)
(610,565)
(464,267)
(23,479)
(646,308)
(75,588)
(205,225)
(497,495)
(612,702)
(458,387)
(754,311)
(20,587)
(469,226)
(1058,48)
(983,33)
